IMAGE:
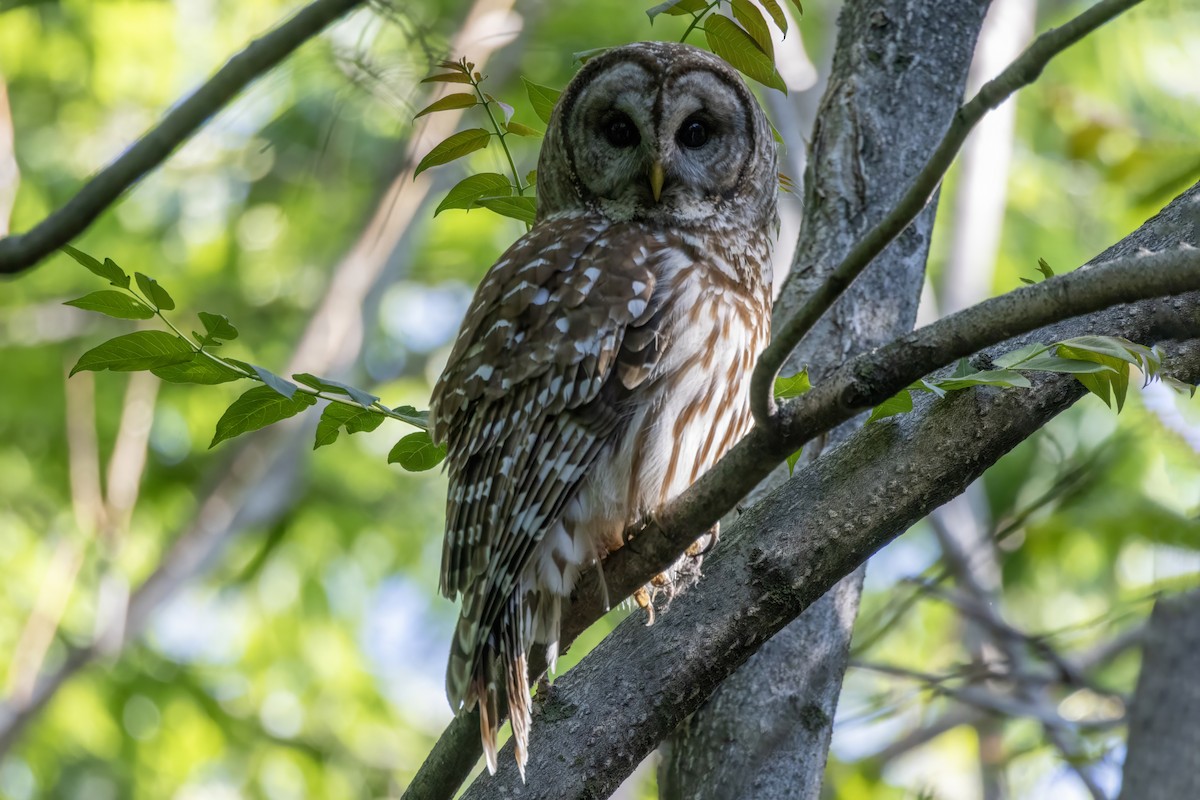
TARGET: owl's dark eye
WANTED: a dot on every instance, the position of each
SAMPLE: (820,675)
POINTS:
(692,134)
(620,131)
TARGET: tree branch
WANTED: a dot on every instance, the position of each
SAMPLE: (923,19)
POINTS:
(602,717)
(19,252)
(1123,272)
(1020,73)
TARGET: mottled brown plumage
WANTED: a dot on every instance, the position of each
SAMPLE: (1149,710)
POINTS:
(604,361)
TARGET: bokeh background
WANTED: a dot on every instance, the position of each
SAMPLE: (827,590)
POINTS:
(262,621)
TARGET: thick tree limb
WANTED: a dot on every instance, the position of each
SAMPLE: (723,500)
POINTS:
(1020,73)
(19,252)
(602,717)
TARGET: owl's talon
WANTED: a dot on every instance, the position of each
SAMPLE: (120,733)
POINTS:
(642,598)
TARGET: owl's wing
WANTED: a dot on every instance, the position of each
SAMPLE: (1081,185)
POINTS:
(562,327)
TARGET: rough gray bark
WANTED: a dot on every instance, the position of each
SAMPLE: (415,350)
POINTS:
(1163,757)
(603,717)
(766,731)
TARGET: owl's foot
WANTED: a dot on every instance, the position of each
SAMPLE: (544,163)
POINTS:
(707,541)
(644,600)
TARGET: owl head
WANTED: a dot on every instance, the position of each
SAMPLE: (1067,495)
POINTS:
(661,132)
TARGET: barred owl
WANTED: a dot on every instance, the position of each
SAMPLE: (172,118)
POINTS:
(604,362)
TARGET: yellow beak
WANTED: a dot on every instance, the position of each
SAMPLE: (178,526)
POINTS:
(656,179)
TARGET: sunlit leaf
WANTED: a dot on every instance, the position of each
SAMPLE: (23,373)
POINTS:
(448,103)
(792,386)
(199,369)
(799,7)
(522,208)
(151,290)
(990,377)
(467,191)
(676,8)
(258,408)
(531,177)
(1113,384)
(542,98)
(1044,268)
(453,147)
(777,14)
(1015,357)
(754,24)
(107,270)
(416,453)
(363,398)
(1183,388)
(897,404)
(337,416)
(792,459)
(737,47)
(113,304)
(584,56)
(135,351)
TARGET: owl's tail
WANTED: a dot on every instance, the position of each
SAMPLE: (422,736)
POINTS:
(486,670)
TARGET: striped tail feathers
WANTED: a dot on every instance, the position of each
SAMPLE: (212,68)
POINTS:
(481,668)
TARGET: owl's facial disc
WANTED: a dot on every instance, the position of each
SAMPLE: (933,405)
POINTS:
(647,145)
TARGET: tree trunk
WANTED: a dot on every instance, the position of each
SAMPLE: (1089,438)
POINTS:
(1163,756)
(765,733)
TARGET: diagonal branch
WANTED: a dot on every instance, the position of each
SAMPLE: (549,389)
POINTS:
(19,252)
(786,552)
(1022,72)
(1124,273)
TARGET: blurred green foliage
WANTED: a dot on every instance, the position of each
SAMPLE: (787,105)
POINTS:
(307,659)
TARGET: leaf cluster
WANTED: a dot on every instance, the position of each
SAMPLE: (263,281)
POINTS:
(175,358)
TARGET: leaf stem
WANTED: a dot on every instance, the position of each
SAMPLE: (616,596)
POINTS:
(512,165)
(697,18)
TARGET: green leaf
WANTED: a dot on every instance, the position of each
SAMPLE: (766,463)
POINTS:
(114,304)
(799,8)
(416,453)
(1114,384)
(521,130)
(454,147)
(777,14)
(364,399)
(752,20)
(135,351)
(990,377)
(792,459)
(217,329)
(1113,346)
(1021,354)
(737,47)
(1066,365)
(448,77)
(447,103)
(277,384)
(200,369)
(468,190)
(522,208)
(337,416)
(1044,268)
(897,404)
(531,177)
(156,294)
(108,270)
(676,8)
(792,386)
(256,409)
(542,98)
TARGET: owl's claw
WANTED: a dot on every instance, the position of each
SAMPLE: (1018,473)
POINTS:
(696,551)
(643,599)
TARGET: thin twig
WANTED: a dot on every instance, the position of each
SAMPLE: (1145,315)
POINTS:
(20,252)
(1023,71)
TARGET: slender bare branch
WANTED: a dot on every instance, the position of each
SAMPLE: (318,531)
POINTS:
(19,252)
(1020,73)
